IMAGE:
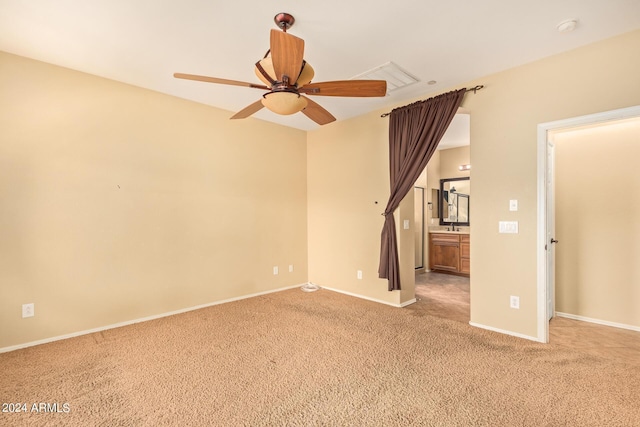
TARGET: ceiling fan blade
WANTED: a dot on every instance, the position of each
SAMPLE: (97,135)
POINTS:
(217,80)
(317,113)
(247,111)
(357,88)
(287,53)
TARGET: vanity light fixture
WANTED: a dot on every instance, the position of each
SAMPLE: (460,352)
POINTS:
(464,167)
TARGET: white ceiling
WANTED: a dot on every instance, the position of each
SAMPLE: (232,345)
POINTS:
(143,42)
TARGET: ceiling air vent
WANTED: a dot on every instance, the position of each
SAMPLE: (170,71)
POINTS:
(395,76)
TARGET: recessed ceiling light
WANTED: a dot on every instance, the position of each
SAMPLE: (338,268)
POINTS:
(431,82)
(567,25)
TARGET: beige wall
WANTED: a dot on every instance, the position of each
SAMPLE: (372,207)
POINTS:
(348,169)
(450,159)
(119,203)
(597,222)
(348,188)
(504,159)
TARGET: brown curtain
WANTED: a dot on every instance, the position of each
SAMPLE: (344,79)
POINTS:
(414,133)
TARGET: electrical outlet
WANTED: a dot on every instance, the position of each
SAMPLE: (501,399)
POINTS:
(359,274)
(514,302)
(275,270)
(291,268)
(28,310)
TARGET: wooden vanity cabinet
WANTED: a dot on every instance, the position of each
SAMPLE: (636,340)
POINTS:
(444,252)
(449,253)
(465,251)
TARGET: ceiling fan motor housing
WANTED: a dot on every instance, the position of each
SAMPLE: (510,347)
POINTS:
(284,97)
(305,77)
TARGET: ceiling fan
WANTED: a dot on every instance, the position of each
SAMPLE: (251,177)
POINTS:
(287,79)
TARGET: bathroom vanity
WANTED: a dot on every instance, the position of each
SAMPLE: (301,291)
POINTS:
(449,252)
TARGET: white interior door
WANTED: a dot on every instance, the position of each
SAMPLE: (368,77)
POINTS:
(550,230)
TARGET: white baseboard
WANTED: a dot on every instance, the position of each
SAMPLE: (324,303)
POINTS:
(143,319)
(369,298)
(406,303)
(598,321)
(503,331)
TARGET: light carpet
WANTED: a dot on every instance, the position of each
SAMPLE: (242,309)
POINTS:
(314,359)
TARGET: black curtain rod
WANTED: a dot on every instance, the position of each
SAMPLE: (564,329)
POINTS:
(473,89)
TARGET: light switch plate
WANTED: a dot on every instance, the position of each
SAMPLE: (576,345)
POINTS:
(508,227)
(406,224)
(513,205)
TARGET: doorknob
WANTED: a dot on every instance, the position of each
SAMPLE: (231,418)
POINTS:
(553,240)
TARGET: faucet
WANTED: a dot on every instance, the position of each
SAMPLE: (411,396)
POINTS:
(453,227)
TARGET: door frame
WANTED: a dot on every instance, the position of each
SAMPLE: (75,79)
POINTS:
(543,279)
(423,202)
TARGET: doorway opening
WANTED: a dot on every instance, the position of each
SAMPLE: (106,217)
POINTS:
(547,231)
(446,295)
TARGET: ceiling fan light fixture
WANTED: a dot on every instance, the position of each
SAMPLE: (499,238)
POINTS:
(306,75)
(284,103)
(267,66)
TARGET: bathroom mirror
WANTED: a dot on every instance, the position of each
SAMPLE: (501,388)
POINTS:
(455,196)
